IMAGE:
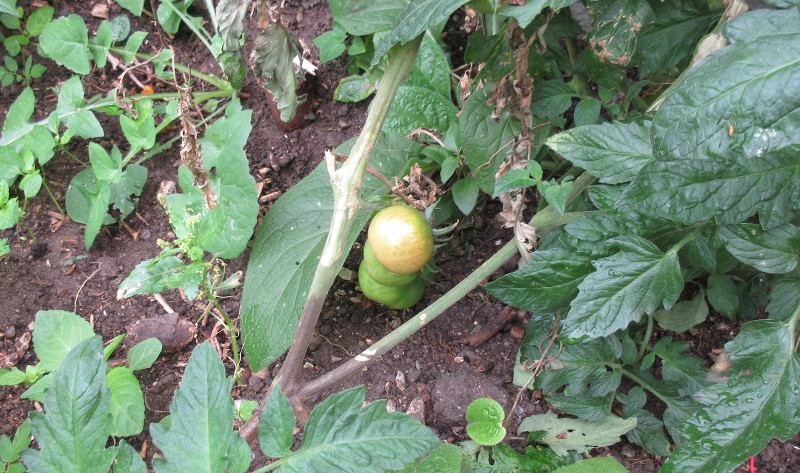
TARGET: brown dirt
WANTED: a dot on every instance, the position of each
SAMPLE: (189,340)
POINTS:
(431,369)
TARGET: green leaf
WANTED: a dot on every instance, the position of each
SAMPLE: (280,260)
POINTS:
(512,180)
(556,194)
(71,111)
(276,425)
(343,434)
(19,133)
(565,434)
(683,315)
(762,23)
(10,214)
(225,230)
(587,112)
(416,107)
(142,355)
(133,6)
(614,30)
(106,167)
(443,459)
(465,194)
(355,88)
(140,132)
(152,277)
(288,245)
(625,286)
(431,69)
(169,12)
(546,284)
(730,188)
(11,377)
(274,50)
(9,7)
(613,152)
(31,184)
(38,20)
(331,44)
(366,17)
(784,297)
(66,41)
(485,142)
(201,438)
(594,465)
(128,460)
(552,98)
(78,405)
(584,407)
(756,404)
(36,392)
(413,21)
(723,295)
(98,211)
(649,431)
(683,370)
(100,44)
(485,421)
(773,251)
(748,86)
(127,402)
(503,458)
(56,333)
(527,12)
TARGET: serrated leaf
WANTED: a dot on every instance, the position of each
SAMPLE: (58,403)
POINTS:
(443,459)
(564,434)
(56,333)
(66,41)
(546,284)
(201,437)
(142,355)
(275,49)
(127,402)
(128,460)
(683,315)
(71,111)
(636,281)
(742,414)
(503,458)
(413,21)
(343,434)
(594,465)
(152,277)
(685,371)
(485,141)
(773,251)
(584,407)
(288,245)
(614,30)
(784,297)
(276,425)
(649,431)
(613,152)
(746,86)
(415,107)
(73,432)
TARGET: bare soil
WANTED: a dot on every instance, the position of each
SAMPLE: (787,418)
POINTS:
(432,375)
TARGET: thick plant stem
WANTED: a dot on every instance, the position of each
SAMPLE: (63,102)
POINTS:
(346,182)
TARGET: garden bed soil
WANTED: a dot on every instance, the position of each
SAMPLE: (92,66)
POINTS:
(432,375)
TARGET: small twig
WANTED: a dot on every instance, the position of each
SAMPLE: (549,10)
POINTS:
(494,325)
(538,366)
(160,299)
(335,344)
(475,172)
(75,305)
(371,170)
(420,131)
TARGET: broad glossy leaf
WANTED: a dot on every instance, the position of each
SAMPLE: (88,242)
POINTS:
(772,251)
(365,17)
(764,22)
(728,188)
(546,284)
(741,415)
(57,332)
(485,421)
(72,112)
(415,107)
(288,246)
(723,295)
(747,87)
(636,281)
(527,12)
(552,98)
(613,152)
(563,434)
(615,26)
(413,21)
(485,141)
(73,432)
(431,69)
(355,88)
(343,434)
(465,194)
(275,49)
(784,297)
(127,402)
(201,438)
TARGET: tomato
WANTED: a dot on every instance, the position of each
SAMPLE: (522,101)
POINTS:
(401,239)
(401,297)
(382,275)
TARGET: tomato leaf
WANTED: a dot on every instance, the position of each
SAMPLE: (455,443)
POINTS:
(201,437)
(772,251)
(563,434)
(343,434)
(78,404)
(649,431)
(681,369)
(612,152)
(784,297)
(586,407)
(625,286)
(741,415)
(615,29)
(288,245)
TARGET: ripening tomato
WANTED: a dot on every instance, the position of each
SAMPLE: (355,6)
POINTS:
(380,274)
(401,239)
